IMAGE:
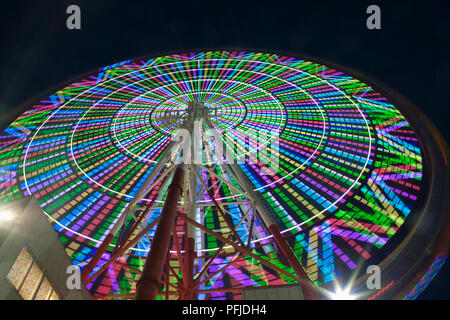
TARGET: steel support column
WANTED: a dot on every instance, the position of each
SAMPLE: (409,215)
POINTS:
(309,293)
(96,257)
(148,286)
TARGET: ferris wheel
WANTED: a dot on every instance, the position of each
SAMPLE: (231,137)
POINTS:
(200,175)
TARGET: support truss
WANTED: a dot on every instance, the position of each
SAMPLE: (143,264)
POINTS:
(176,266)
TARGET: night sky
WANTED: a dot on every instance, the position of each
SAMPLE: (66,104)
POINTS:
(410,53)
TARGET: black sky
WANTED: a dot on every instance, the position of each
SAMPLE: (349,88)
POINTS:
(410,53)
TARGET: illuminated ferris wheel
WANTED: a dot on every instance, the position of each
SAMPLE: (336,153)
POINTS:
(203,175)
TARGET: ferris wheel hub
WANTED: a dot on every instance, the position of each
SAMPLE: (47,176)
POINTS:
(197,110)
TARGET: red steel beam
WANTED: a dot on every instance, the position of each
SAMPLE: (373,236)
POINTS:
(139,220)
(166,284)
(208,263)
(104,246)
(308,290)
(147,287)
(122,250)
(179,255)
(126,266)
(179,283)
(96,258)
(239,248)
(189,257)
(249,240)
(227,221)
(209,277)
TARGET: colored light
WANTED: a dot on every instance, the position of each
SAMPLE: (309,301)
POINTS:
(6,215)
(342,294)
(350,164)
